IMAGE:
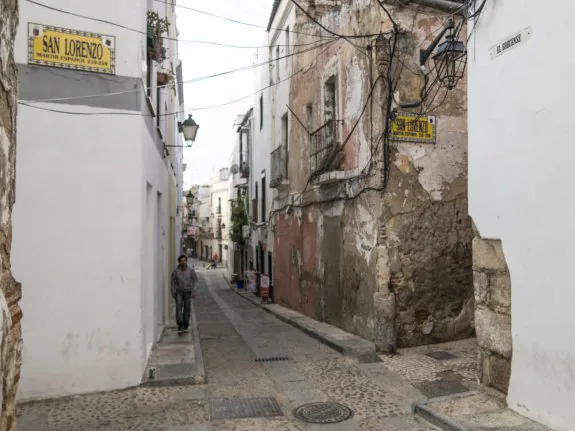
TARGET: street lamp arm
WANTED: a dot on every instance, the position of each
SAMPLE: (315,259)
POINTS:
(424,54)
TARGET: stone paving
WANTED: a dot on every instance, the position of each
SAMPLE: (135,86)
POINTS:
(233,334)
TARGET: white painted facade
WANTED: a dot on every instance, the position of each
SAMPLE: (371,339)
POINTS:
(270,107)
(91,227)
(219,212)
(520,190)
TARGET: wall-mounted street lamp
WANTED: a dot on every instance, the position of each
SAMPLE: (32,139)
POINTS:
(449,56)
(190,198)
(189,129)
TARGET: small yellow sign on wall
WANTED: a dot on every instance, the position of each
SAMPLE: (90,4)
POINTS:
(71,49)
(407,127)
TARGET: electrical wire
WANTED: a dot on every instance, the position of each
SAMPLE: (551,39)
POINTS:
(229,19)
(347,139)
(326,45)
(189,81)
(306,13)
(124,27)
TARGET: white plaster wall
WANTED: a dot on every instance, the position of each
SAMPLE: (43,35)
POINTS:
(90,234)
(220,190)
(155,237)
(129,13)
(520,189)
(76,249)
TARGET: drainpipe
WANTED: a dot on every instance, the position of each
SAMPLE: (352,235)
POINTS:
(443,5)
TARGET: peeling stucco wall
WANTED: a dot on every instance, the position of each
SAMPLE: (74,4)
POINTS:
(392,266)
(10,290)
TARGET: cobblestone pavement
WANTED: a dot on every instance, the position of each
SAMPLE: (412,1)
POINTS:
(234,334)
(427,367)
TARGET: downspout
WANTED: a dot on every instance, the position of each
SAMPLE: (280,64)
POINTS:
(444,5)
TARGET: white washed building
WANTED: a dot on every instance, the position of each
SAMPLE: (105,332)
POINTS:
(92,224)
(270,152)
(521,194)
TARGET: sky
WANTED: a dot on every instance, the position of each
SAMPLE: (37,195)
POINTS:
(216,136)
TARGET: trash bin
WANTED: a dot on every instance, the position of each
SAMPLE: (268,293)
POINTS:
(240,284)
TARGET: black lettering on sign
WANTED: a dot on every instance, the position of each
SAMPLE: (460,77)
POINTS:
(90,50)
(511,42)
(50,44)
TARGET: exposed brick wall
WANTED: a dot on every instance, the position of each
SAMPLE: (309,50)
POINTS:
(10,290)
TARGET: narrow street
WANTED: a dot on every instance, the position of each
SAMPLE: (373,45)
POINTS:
(247,389)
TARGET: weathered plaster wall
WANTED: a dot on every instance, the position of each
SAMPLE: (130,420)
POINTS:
(392,266)
(10,290)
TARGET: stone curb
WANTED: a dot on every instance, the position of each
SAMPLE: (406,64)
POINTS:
(436,419)
(445,423)
(339,340)
(200,376)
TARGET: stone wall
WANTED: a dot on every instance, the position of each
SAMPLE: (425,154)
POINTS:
(10,291)
(493,313)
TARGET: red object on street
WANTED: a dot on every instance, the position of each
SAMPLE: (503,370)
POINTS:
(265,288)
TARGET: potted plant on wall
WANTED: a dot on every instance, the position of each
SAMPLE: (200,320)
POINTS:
(156,27)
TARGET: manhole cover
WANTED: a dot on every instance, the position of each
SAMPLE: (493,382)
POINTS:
(441,355)
(323,413)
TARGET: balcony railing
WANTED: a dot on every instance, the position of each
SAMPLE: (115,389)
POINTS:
(278,166)
(324,144)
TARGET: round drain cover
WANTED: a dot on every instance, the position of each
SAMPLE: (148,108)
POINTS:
(323,413)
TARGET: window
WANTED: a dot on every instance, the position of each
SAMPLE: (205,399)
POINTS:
(255,204)
(263,198)
(285,141)
(330,99)
(309,117)
(158,92)
(261,111)
(287,45)
(277,63)
(149,76)
(241,147)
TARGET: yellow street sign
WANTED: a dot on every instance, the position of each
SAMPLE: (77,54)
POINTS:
(407,127)
(71,49)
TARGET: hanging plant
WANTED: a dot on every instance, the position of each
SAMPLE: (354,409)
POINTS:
(156,27)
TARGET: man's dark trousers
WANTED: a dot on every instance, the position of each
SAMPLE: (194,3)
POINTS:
(183,309)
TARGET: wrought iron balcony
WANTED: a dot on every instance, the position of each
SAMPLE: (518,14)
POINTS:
(324,145)
(278,166)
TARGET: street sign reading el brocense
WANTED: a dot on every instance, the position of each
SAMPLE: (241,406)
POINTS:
(71,49)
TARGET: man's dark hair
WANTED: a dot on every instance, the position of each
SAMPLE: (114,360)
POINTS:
(182,256)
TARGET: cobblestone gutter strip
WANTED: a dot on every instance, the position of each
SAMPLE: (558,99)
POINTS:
(339,340)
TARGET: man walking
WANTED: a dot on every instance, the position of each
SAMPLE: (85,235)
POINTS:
(183,289)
